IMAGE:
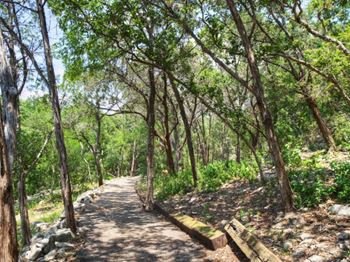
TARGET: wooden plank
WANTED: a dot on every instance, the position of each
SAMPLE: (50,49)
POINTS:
(208,236)
(244,247)
(251,246)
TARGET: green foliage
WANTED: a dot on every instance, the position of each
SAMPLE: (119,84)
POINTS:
(342,181)
(219,172)
(169,185)
(211,177)
(313,185)
(310,187)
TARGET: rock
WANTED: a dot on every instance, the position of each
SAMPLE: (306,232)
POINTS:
(34,252)
(324,246)
(84,198)
(50,256)
(41,226)
(340,210)
(63,235)
(193,199)
(304,236)
(287,245)
(48,244)
(65,245)
(223,222)
(307,242)
(82,230)
(62,224)
(344,235)
(335,252)
(298,253)
(315,258)
(344,245)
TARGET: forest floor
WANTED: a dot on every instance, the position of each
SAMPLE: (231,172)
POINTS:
(297,236)
(118,229)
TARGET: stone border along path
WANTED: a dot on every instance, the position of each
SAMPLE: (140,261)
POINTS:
(117,229)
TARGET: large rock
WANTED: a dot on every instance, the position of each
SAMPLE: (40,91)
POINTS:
(63,235)
(340,210)
(50,256)
(65,245)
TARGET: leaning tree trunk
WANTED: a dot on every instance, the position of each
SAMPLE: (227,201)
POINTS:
(97,149)
(8,234)
(150,140)
(321,123)
(187,132)
(286,191)
(60,145)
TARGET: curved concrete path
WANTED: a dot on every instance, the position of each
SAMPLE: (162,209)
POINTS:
(119,230)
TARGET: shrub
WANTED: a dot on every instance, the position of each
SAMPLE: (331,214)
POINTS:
(210,178)
(310,187)
(342,181)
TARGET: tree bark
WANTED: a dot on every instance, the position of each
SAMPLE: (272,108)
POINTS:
(150,140)
(23,210)
(97,148)
(133,160)
(60,145)
(321,123)
(10,108)
(168,147)
(8,234)
(286,191)
(187,131)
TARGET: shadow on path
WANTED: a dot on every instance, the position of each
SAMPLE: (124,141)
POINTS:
(119,230)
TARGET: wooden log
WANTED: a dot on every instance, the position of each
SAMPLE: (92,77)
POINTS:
(250,245)
(208,236)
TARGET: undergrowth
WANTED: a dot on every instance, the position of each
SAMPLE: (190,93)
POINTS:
(210,178)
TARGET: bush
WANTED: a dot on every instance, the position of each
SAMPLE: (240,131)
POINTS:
(169,185)
(310,187)
(342,181)
(210,178)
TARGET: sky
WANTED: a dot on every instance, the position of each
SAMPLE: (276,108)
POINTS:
(55,34)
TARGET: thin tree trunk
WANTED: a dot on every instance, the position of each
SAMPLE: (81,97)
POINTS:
(97,148)
(168,147)
(238,150)
(61,148)
(133,160)
(286,191)
(150,141)
(23,210)
(187,131)
(8,234)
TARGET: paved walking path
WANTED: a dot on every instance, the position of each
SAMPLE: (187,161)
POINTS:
(119,230)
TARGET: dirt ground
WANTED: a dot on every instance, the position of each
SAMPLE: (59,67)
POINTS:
(299,236)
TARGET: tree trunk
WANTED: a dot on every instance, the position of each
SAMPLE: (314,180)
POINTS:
(23,210)
(286,191)
(97,149)
(8,234)
(238,150)
(187,131)
(133,160)
(61,148)
(321,123)
(10,106)
(150,141)
(168,147)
